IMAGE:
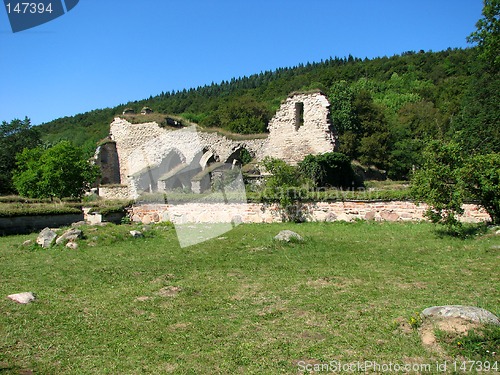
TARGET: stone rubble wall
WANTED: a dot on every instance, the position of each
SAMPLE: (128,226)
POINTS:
(320,211)
(290,143)
(142,147)
(146,145)
(114,192)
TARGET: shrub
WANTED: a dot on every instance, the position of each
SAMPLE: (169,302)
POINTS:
(331,169)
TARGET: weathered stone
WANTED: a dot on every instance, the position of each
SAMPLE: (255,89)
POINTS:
(78,224)
(22,298)
(370,215)
(94,218)
(69,235)
(389,216)
(28,243)
(471,313)
(72,245)
(136,234)
(287,236)
(497,232)
(46,238)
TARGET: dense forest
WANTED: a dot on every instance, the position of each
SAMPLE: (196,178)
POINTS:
(384,109)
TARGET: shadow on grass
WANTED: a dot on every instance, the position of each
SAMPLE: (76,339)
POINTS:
(462,231)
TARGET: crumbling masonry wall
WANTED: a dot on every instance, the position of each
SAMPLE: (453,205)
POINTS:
(301,127)
(141,152)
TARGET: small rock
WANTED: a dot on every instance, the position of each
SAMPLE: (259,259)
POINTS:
(46,238)
(78,224)
(69,235)
(28,243)
(471,313)
(136,234)
(22,298)
(497,232)
(495,247)
(287,236)
(72,245)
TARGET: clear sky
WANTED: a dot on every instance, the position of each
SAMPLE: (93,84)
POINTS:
(108,52)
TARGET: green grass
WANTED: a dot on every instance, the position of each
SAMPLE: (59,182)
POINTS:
(241,303)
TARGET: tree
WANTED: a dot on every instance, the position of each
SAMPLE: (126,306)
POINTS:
(449,177)
(241,115)
(14,137)
(482,180)
(330,169)
(59,171)
(285,186)
(478,128)
(487,35)
(439,182)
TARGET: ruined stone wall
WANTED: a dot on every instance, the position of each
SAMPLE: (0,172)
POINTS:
(142,145)
(299,128)
(120,192)
(320,211)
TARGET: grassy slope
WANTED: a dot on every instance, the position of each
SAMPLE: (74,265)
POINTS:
(247,304)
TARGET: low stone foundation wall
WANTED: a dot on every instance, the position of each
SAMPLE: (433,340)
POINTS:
(261,213)
(30,224)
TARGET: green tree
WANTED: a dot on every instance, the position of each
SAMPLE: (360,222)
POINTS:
(243,115)
(59,171)
(487,35)
(478,128)
(439,182)
(375,136)
(481,175)
(329,169)
(14,137)
(341,99)
(285,185)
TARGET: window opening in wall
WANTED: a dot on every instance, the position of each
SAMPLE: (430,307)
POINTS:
(299,115)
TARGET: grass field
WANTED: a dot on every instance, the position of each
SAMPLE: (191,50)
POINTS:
(241,303)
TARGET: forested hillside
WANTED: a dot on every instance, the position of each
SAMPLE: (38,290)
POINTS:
(384,109)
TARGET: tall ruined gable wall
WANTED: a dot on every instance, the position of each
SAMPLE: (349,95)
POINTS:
(299,128)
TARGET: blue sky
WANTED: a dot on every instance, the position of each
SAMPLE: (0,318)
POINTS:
(107,52)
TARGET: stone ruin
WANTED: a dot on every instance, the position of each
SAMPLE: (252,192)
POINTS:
(140,158)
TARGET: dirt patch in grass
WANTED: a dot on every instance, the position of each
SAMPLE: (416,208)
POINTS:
(415,285)
(169,291)
(337,282)
(163,278)
(455,326)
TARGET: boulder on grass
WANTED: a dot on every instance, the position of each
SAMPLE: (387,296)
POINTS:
(22,298)
(72,245)
(69,235)
(136,234)
(287,236)
(470,313)
(46,238)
